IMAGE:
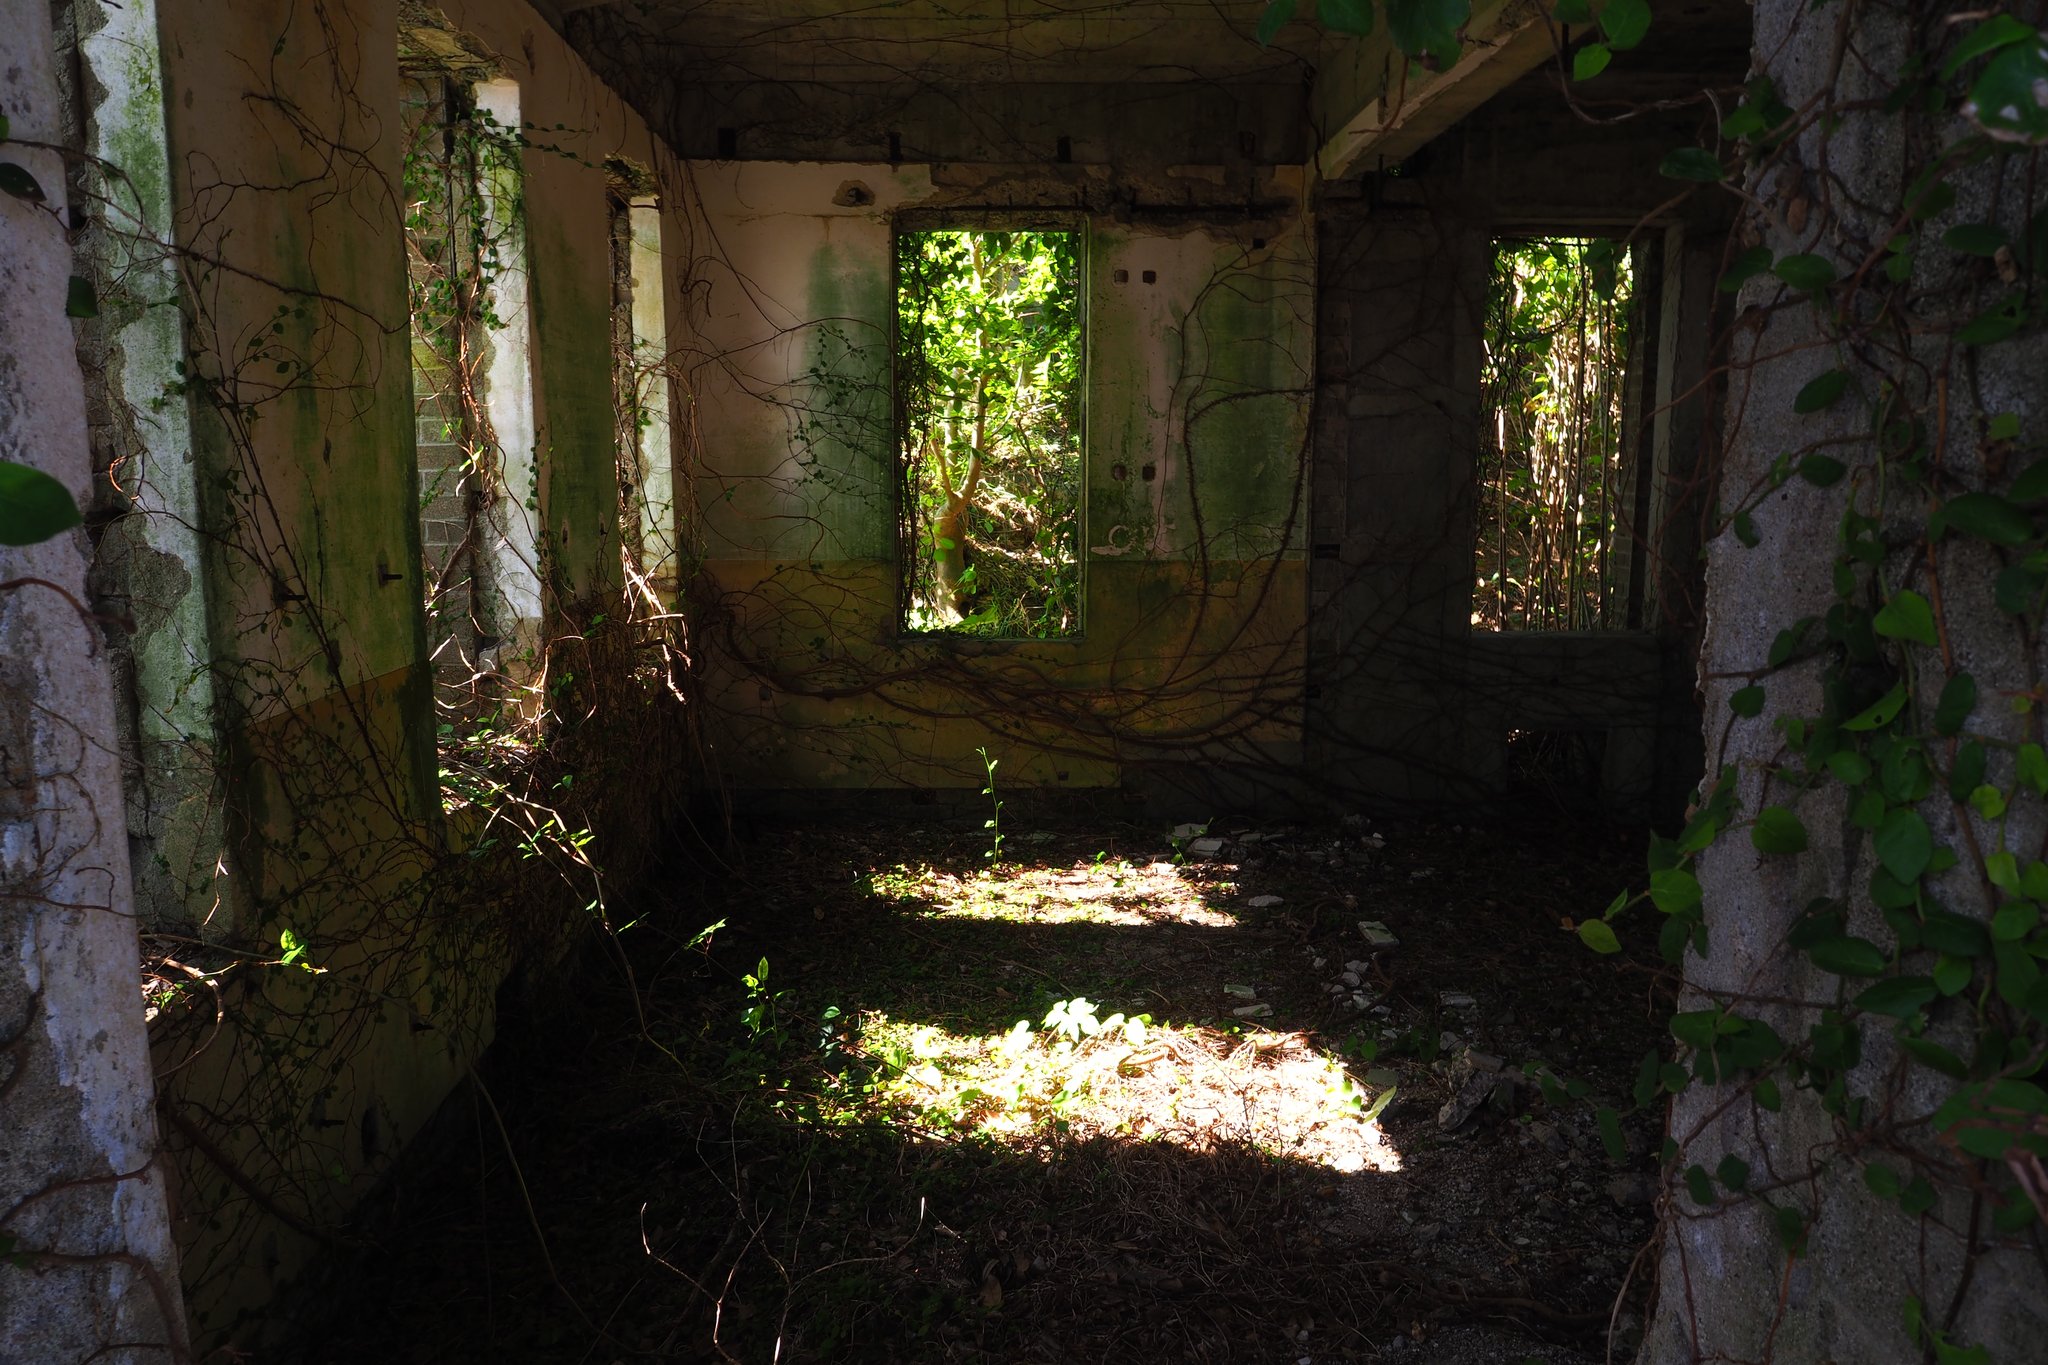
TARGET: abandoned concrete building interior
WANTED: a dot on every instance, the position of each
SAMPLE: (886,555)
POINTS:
(951,680)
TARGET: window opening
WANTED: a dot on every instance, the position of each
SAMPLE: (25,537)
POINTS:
(1557,500)
(641,387)
(989,376)
(471,376)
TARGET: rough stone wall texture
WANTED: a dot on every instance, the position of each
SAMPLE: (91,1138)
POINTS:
(91,1273)
(1728,1292)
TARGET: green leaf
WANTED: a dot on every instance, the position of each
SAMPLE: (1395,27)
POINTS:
(2001,30)
(1276,17)
(33,506)
(1849,767)
(79,299)
(1573,12)
(1777,830)
(1700,1186)
(1675,891)
(1958,700)
(1990,327)
(1610,1133)
(1747,701)
(3,127)
(1596,935)
(2017,970)
(1954,935)
(1848,956)
(2003,101)
(1882,1180)
(1346,16)
(1427,26)
(1590,60)
(1821,471)
(2014,920)
(1906,617)
(1625,22)
(2017,589)
(1767,1095)
(1805,271)
(1879,713)
(1748,265)
(1821,392)
(1968,771)
(1985,516)
(1904,845)
(1918,1196)
(1974,239)
(2002,869)
(1898,997)
(17,181)
(2032,484)
(1733,1172)
(1791,1228)
(1692,163)
(2032,766)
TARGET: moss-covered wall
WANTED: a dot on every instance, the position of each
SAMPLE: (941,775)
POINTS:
(1199,358)
(287,219)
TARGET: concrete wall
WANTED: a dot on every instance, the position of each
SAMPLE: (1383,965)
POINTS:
(87,1268)
(255,410)
(1199,350)
(1408,704)
(1729,1290)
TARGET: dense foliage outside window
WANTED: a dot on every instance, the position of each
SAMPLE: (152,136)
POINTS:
(989,398)
(1556,473)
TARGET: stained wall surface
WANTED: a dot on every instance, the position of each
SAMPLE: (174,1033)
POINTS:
(1200,343)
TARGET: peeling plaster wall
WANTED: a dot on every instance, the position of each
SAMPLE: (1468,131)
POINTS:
(82,1197)
(280,689)
(1200,352)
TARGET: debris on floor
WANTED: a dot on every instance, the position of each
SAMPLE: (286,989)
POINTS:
(1089,1101)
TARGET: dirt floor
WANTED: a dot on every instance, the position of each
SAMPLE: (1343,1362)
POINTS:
(1278,1093)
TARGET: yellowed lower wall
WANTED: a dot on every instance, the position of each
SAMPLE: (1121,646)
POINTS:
(1200,346)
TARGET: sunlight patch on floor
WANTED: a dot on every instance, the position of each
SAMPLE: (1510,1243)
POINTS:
(1098,892)
(1194,1087)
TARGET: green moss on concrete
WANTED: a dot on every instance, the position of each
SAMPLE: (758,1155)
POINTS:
(572,334)
(843,426)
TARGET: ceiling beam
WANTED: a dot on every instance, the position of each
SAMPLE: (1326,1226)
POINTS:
(1503,43)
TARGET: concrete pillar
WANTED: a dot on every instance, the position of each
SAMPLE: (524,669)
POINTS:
(1857,1205)
(1403,289)
(87,1269)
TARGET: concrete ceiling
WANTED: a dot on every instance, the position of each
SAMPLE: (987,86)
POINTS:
(1063,41)
(1107,83)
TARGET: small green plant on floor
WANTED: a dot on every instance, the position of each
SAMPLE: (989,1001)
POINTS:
(994,823)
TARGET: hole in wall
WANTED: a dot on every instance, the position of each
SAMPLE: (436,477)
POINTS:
(1151,277)
(1120,276)
(1119,473)
(728,143)
(853,194)
(1063,151)
(1559,766)
(1149,473)
(895,148)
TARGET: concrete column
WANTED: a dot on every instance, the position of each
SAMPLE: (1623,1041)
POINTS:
(88,1270)
(1730,1289)
(1404,286)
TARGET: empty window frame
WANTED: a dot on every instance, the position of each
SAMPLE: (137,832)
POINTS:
(1559,540)
(641,388)
(472,378)
(989,379)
